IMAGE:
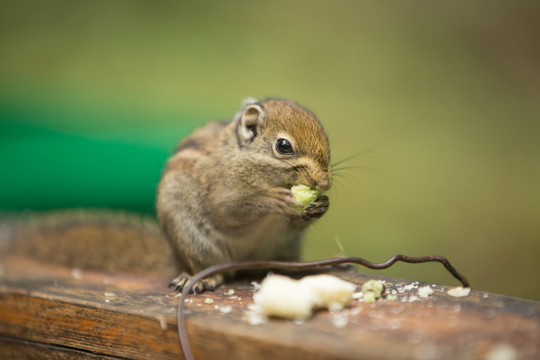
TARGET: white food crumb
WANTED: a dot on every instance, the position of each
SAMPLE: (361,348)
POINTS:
(424,292)
(225,309)
(230,292)
(408,287)
(339,321)
(77,273)
(459,291)
(356,311)
(256,285)
(209,301)
(502,352)
(357,295)
(254,318)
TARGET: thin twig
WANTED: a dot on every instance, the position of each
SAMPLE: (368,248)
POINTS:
(286,265)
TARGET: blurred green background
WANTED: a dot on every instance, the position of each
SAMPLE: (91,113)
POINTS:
(439,100)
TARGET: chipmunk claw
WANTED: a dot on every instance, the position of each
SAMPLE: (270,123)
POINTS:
(209,283)
(179,282)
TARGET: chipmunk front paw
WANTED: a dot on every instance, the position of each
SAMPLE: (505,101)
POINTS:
(316,209)
(209,283)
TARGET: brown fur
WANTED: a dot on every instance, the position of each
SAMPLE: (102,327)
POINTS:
(225,195)
(303,126)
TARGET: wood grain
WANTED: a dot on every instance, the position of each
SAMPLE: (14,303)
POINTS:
(53,312)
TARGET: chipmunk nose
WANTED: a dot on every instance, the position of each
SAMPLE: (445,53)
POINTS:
(324,182)
(314,175)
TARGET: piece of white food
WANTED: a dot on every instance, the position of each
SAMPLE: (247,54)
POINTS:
(459,291)
(330,291)
(281,296)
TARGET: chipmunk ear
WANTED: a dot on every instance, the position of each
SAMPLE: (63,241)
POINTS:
(251,119)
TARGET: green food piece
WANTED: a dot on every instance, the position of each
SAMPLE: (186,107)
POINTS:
(369,297)
(372,290)
(304,194)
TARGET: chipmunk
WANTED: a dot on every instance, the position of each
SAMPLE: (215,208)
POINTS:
(225,195)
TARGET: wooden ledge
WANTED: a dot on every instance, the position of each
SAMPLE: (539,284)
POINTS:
(49,312)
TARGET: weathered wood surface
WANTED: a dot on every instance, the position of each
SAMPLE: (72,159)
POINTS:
(49,312)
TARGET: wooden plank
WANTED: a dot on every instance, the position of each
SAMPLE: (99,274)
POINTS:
(49,310)
(20,349)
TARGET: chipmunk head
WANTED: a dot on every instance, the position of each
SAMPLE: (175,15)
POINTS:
(289,139)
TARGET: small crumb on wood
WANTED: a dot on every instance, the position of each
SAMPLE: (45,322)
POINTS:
(424,292)
(254,318)
(256,285)
(502,352)
(225,309)
(459,291)
(76,273)
(339,321)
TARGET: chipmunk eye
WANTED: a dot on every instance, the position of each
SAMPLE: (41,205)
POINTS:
(284,147)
